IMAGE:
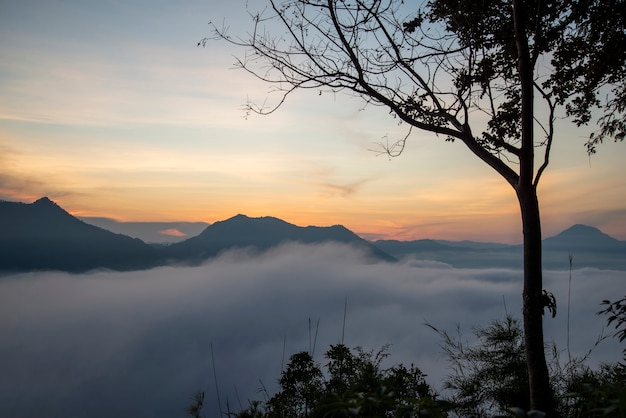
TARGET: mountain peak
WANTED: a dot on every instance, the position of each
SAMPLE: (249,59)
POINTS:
(245,221)
(45,202)
(46,206)
(581,227)
(262,233)
(42,235)
(581,236)
(243,217)
(578,231)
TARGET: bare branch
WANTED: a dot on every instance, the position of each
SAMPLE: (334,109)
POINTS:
(549,134)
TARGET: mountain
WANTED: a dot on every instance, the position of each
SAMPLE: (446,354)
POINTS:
(461,254)
(584,238)
(43,236)
(588,246)
(261,234)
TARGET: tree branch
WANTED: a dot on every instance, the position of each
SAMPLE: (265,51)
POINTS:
(549,134)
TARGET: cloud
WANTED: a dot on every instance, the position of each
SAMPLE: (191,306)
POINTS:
(342,190)
(14,187)
(172,232)
(140,343)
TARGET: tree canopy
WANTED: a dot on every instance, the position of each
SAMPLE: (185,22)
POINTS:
(353,382)
(493,74)
(450,67)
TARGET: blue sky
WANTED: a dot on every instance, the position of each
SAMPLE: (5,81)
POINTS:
(111,109)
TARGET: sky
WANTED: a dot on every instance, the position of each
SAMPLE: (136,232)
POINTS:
(112,110)
(141,343)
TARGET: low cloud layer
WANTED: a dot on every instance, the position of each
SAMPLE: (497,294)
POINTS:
(140,344)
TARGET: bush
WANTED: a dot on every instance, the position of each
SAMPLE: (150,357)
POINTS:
(352,383)
(489,376)
(489,380)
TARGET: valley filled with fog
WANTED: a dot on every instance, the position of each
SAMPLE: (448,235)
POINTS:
(140,343)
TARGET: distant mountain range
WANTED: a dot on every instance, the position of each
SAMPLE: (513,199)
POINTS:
(43,236)
(588,246)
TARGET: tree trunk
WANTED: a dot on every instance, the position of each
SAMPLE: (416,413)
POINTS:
(541,397)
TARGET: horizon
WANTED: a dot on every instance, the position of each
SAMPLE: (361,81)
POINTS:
(171,235)
(113,111)
(121,223)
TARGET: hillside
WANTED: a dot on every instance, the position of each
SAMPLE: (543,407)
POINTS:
(261,234)
(43,236)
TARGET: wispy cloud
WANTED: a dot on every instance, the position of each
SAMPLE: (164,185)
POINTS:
(173,232)
(342,190)
(145,88)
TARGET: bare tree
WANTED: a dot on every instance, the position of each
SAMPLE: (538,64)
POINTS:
(489,73)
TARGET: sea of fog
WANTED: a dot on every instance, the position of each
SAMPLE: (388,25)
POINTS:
(142,343)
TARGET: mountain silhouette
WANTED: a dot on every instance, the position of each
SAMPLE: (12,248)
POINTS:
(461,254)
(43,236)
(261,234)
(584,238)
(588,246)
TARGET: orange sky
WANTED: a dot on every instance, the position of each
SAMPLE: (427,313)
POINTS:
(111,110)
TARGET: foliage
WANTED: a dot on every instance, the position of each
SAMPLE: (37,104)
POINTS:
(597,393)
(445,66)
(590,58)
(301,385)
(198,403)
(488,379)
(353,382)
(616,312)
(490,375)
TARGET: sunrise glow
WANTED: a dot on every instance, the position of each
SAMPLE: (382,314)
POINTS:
(115,112)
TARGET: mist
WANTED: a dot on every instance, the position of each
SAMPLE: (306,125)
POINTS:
(142,343)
